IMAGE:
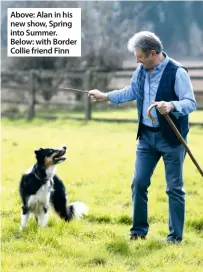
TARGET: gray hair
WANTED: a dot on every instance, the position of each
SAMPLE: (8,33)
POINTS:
(145,40)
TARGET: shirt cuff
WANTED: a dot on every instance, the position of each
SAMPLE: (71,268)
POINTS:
(113,97)
(177,109)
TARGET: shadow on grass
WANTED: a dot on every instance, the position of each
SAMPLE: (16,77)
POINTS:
(118,246)
(136,249)
(157,219)
(97,261)
(99,219)
(122,220)
(104,219)
(196,224)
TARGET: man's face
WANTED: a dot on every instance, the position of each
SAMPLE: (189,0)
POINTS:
(147,60)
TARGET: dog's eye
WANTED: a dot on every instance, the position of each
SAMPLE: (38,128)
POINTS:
(49,152)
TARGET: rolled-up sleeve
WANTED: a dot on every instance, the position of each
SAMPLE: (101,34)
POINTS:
(125,94)
(184,91)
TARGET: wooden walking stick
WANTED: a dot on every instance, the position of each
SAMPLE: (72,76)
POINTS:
(177,134)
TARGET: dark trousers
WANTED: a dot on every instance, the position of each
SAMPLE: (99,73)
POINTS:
(151,147)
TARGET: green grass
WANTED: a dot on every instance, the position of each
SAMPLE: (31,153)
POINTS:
(98,172)
(113,112)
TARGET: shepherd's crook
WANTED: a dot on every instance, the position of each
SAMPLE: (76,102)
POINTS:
(180,138)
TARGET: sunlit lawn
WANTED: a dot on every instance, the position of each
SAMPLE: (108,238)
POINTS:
(98,172)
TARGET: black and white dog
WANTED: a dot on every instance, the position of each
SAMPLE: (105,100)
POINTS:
(40,186)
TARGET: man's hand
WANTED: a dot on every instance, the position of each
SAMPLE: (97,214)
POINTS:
(164,107)
(97,96)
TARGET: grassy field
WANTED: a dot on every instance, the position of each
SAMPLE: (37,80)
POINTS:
(98,172)
(118,112)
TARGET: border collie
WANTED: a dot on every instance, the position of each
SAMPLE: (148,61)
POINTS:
(40,186)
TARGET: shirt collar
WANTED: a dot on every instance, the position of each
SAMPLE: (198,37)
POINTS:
(163,63)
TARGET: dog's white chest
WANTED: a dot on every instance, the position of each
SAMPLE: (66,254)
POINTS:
(41,198)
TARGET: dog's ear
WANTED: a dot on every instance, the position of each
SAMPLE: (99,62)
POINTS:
(38,151)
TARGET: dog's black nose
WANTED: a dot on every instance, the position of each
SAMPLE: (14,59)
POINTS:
(64,147)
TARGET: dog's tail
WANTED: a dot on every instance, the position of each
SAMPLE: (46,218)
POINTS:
(63,209)
(76,210)
(73,210)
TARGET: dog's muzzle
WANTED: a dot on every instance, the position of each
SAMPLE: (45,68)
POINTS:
(59,156)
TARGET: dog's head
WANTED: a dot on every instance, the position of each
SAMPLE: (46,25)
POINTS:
(48,157)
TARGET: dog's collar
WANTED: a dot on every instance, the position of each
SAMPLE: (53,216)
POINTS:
(39,177)
(42,179)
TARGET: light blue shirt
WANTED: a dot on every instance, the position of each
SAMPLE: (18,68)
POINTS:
(183,89)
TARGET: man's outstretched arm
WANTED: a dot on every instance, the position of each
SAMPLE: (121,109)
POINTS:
(117,96)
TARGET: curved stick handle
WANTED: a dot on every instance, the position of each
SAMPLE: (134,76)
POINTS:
(149,113)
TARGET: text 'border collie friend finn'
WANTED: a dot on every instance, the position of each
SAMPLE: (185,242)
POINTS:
(40,186)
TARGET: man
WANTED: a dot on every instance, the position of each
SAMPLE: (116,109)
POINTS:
(157,78)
